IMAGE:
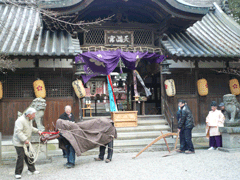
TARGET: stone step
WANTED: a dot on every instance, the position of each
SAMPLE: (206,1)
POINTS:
(144,128)
(153,118)
(139,142)
(139,135)
(150,117)
(152,122)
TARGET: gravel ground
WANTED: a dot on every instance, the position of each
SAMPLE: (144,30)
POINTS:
(204,165)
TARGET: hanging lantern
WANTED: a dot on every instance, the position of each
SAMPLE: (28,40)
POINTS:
(170,87)
(202,87)
(234,86)
(79,88)
(1,90)
(39,89)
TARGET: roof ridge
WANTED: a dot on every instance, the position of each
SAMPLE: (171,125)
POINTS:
(226,19)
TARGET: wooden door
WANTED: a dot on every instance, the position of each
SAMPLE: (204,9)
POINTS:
(10,107)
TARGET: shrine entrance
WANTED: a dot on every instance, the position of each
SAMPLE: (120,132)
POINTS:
(134,78)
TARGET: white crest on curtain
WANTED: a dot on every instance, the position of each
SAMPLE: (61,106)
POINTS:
(97,63)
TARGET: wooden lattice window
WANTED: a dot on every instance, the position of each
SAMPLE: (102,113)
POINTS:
(17,85)
(217,83)
(94,36)
(57,85)
(185,83)
(143,37)
(20,85)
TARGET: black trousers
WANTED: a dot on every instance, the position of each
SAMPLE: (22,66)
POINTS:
(183,145)
(110,151)
(186,139)
(20,163)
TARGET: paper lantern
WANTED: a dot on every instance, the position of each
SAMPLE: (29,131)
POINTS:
(202,87)
(234,86)
(39,89)
(79,88)
(170,87)
(1,90)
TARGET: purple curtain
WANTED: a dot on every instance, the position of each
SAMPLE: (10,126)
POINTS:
(104,62)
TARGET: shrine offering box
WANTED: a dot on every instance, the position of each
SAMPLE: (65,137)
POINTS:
(124,118)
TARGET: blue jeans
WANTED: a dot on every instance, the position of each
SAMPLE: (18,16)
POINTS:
(70,154)
(186,139)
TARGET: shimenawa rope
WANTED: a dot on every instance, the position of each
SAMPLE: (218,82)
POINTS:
(31,153)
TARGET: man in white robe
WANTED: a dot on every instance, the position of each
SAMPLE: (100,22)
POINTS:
(214,120)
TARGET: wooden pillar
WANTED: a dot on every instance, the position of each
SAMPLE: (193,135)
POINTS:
(196,79)
(77,108)
(227,64)
(143,107)
(1,121)
(162,91)
(95,106)
(132,93)
(128,91)
(134,105)
(36,63)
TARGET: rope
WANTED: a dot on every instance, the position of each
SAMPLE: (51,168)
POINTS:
(31,153)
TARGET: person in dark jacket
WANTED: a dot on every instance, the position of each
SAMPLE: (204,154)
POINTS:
(183,145)
(67,115)
(185,126)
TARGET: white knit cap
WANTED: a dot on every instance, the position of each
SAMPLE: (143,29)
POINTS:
(30,111)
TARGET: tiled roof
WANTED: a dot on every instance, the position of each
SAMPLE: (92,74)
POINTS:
(22,34)
(216,36)
(201,3)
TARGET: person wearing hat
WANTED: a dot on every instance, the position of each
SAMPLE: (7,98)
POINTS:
(222,108)
(214,120)
(22,134)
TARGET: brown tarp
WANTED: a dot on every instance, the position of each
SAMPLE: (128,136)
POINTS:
(88,134)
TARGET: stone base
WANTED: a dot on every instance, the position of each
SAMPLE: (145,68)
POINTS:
(230,137)
(232,124)
(230,150)
(231,140)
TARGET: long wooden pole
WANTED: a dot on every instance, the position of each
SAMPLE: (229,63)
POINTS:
(175,147)
(166,142)
(156,140)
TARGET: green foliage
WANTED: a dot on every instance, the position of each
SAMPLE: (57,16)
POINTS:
(234,6)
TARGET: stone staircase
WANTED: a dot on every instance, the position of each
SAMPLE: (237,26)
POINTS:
(133,139)
(130,139)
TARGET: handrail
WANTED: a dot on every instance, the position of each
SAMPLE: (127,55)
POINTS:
(168,114)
